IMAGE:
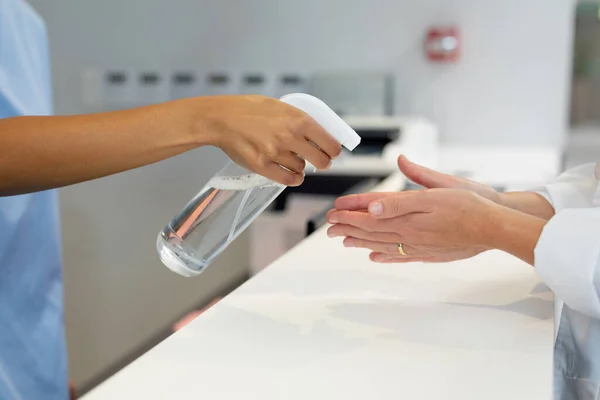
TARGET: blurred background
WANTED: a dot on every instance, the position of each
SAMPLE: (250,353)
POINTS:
(467,86)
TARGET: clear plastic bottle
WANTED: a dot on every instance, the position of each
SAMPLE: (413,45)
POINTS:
(231,200)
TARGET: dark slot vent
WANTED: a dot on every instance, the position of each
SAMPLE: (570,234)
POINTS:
(149,78)
(254,80)
(183,78)
(218,79)
(116,78)
(291,80)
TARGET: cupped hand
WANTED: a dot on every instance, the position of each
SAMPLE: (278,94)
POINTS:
(436,180)
(269,137)
(433,225)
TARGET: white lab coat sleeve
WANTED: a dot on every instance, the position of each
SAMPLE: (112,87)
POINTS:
(574,188)
(567,255)
(567,258)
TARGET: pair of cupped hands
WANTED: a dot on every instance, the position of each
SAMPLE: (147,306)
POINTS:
(447,221)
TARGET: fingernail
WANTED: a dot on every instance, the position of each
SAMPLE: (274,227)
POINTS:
(349,243)
(333,220)
(331,234)
(376,208)
(379,258)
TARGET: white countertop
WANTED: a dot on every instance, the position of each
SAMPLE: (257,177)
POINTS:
(325,323)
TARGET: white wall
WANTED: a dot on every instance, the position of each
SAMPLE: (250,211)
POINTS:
(510,87)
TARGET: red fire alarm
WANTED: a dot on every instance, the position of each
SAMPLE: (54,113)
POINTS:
(442,44)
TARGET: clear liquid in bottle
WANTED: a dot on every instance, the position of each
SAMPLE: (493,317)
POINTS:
(224,207)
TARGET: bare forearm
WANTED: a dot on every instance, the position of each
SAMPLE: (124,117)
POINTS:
(528,203)
(39,153)
(514,232)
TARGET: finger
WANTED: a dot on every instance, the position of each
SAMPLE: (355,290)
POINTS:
(360,220)
(408,260)
(316,134)
(331,214)
(401,204)
(275,172)
(292,162)
(341,230)
(384,258)
(427,177)
(360,201)
(380,247)
(379,256)
(312,154)
(328,215)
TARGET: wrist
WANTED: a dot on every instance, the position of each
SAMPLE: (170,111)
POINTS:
(531,203)
(493,231)
(488,234)
(513,232)
(201,121)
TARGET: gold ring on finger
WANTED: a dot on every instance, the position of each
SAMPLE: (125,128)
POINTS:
(401,249)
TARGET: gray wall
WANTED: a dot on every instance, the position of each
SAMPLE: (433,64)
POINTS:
(509,88)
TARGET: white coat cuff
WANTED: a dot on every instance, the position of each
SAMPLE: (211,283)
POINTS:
(573,189)
(567,258)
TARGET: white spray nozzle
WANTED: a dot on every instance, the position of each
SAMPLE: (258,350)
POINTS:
(326,117)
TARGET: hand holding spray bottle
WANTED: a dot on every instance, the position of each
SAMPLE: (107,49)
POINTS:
(232,199)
